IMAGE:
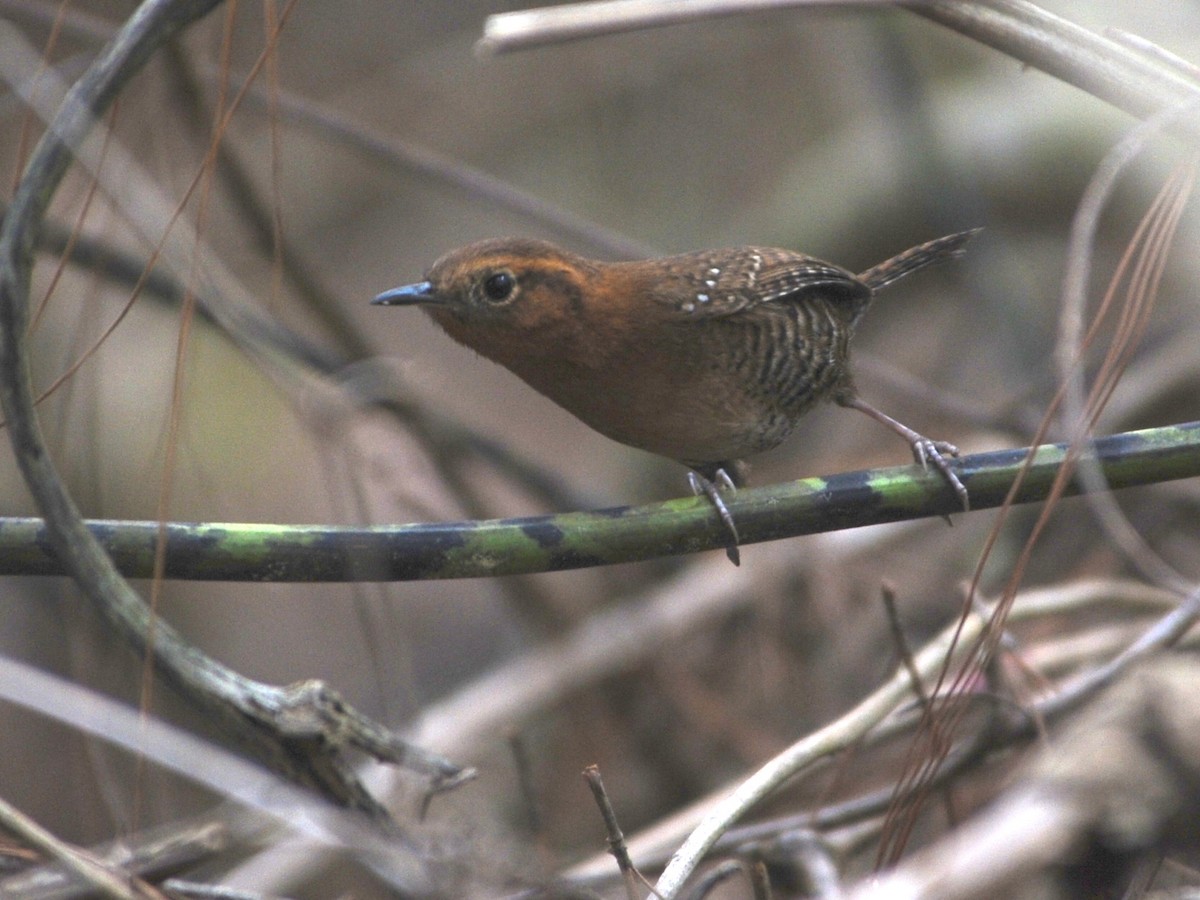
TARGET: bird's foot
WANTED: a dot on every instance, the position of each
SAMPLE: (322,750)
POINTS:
(939,453)
(711,488)
(925,451)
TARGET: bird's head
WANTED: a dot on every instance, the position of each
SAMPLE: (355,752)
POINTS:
(511,286)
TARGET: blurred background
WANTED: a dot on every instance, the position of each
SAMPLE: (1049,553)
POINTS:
(374,139)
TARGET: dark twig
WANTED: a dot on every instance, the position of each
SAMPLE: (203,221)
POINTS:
(525,780)
(754,870)
(715,877)
(807,851)
(887,594)
(760,880)
(616,839)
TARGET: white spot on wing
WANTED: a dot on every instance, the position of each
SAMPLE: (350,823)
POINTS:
(756,262)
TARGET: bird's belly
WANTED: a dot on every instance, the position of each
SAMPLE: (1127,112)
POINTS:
(711,395)
(691,419)
(701,448)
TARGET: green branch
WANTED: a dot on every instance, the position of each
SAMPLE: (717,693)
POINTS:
(311,553)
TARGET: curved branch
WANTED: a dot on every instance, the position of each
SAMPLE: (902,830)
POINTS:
(301,731)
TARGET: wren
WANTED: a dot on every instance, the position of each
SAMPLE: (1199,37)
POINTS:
(704,358)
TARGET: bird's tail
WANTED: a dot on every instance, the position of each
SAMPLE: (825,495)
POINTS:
(918,257)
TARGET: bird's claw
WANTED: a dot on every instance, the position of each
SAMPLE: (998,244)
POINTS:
(927,451)
(711,488)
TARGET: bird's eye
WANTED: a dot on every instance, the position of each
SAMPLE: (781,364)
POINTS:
(499,286)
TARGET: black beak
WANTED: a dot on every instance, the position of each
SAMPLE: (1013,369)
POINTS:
(410,294)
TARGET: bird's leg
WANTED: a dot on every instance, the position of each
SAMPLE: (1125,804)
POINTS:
(925,451)
(710,483)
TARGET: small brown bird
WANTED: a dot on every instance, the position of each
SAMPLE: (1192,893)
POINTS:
(704,358)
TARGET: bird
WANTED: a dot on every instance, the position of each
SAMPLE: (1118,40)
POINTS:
(705,358)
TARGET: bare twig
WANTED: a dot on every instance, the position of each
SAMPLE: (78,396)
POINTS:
(1122,779)
(1002,732)
(1130,80)
(83,866)
(805,850)
(526,784)
(1155,52)
(616,839)
(731,804)
(834,737)
(530,28)
(226,774)
(760,882)
(1133,80)
(304,730)
(714,877)
(1072,343)
(933,738)
(199,891)
(149,855)
(903,650)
